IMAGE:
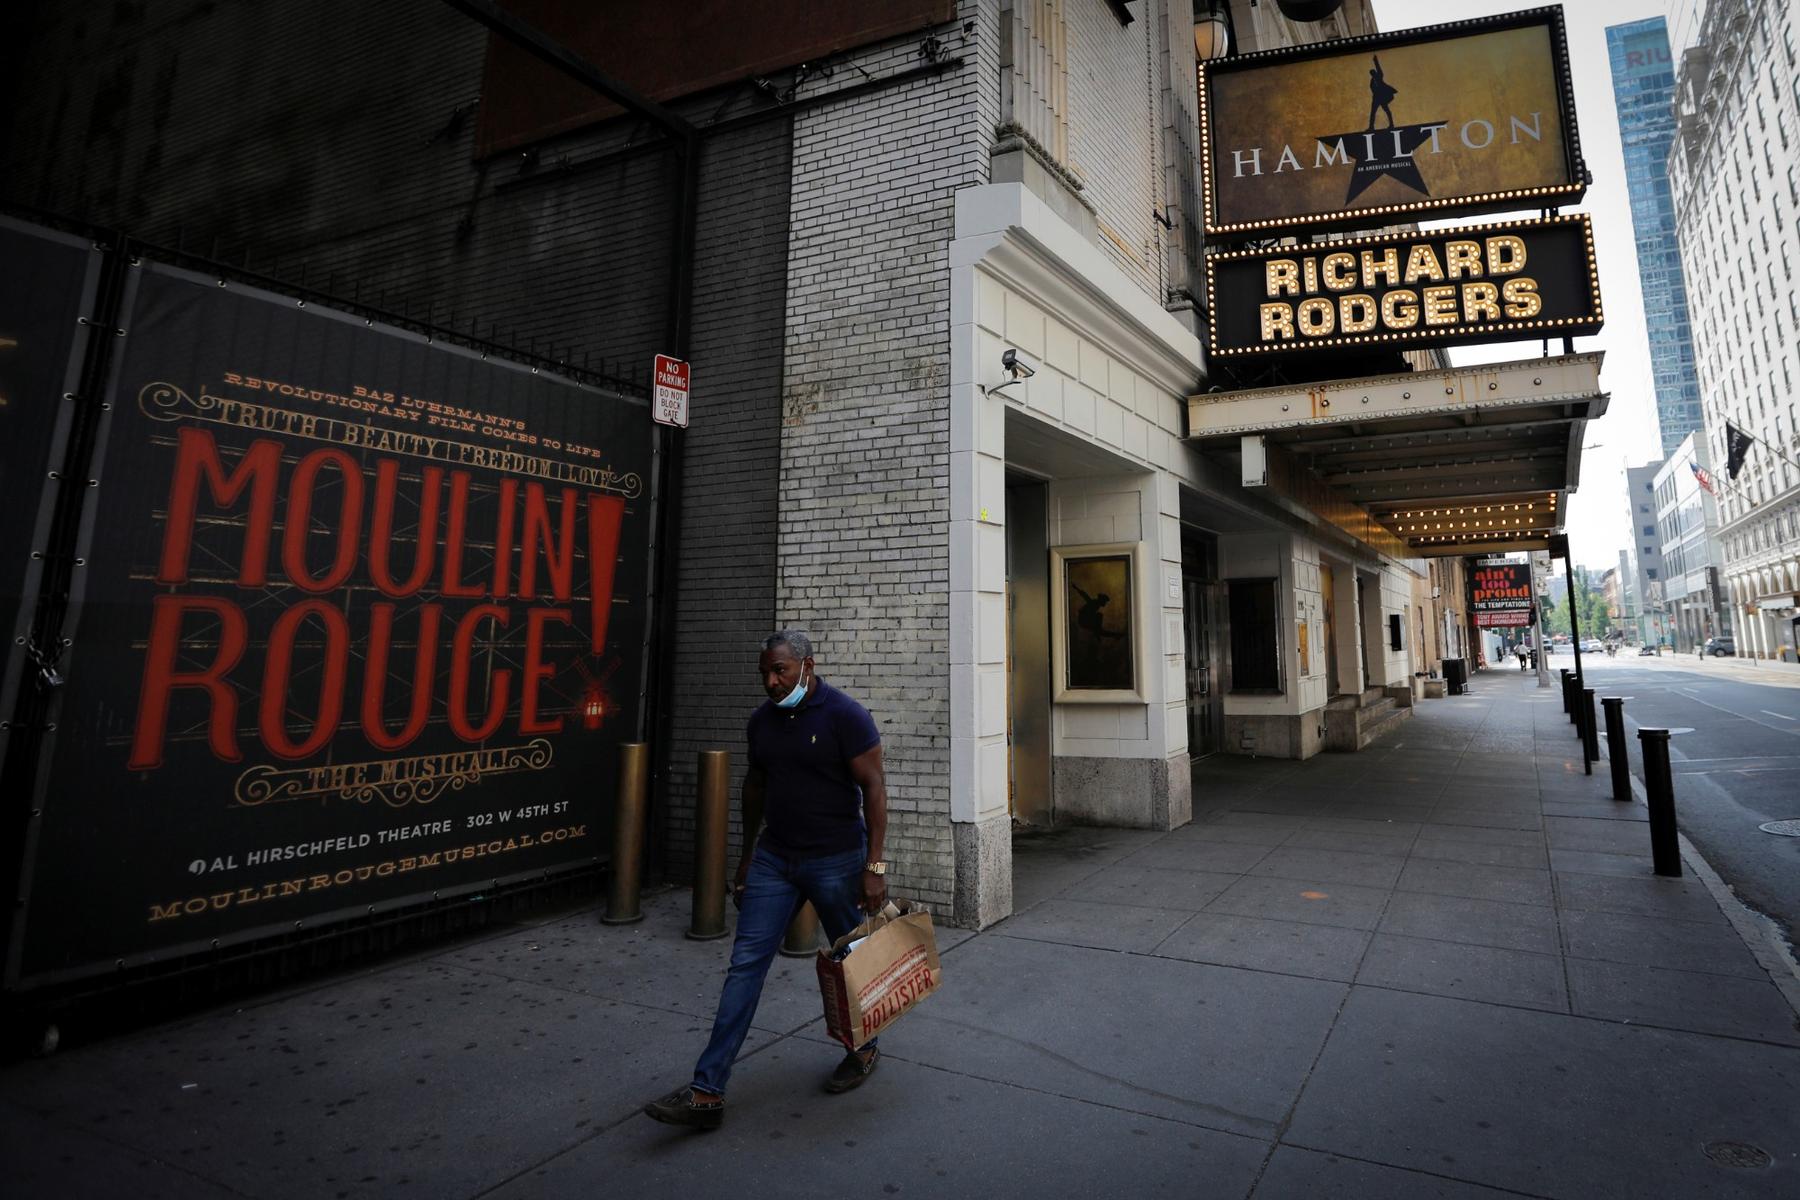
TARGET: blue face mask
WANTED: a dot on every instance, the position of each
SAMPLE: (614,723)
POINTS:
(793,698)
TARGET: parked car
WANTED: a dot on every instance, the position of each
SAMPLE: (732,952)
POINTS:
(1644,651)
(1720,647)
(1592,646)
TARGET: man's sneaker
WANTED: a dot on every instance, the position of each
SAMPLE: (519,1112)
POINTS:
(679,1108)
(853,1070)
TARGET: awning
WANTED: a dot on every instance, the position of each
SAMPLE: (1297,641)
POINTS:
(1473,460)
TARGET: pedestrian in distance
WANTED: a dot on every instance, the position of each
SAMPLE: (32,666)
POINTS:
(815,825)
(1521,652)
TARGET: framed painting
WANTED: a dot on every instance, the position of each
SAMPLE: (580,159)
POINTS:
(1098,640)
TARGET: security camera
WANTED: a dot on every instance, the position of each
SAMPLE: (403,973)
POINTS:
(1017,364)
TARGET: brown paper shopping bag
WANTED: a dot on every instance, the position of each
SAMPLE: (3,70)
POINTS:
(892,968)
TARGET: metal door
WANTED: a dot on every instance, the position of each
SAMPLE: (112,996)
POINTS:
(1028,650)
(1201,600)
(1328,589)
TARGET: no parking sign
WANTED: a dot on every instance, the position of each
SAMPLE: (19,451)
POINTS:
(669,399)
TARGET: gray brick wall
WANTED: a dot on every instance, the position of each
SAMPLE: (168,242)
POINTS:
(725,597)
(865,423)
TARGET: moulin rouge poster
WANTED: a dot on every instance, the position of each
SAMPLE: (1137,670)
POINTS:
(362,623)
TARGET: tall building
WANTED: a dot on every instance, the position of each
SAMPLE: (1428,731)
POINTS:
(1643,87)
(1646,541)
(1687,522)
(1628,591)
(1734,173)
(1610,588)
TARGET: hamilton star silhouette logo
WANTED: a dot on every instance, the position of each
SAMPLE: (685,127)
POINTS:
(1374,153)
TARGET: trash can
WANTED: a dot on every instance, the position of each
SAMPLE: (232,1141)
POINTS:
(1456,676)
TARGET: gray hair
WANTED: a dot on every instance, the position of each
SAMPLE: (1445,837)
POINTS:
(798,644)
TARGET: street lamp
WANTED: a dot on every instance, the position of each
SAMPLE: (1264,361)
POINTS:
(1212,31)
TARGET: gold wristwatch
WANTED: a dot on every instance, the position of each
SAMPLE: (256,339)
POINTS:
(875,868)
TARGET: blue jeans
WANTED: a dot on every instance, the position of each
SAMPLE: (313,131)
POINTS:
(774,891)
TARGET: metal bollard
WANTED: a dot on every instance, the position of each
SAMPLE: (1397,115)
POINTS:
(802,934)
(1590,736)
(710,817)
(1568,705)
(628,836)
(1659,785)
(1615,746)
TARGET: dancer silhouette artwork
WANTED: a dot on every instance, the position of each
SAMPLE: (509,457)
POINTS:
(1090,619)
(1381,94)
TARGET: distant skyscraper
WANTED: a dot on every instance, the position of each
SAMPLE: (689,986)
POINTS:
(1646,540)
(1643,90)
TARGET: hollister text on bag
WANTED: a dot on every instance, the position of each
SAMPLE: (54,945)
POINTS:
(877,971)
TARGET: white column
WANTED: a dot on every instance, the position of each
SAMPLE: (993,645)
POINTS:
(1539,563)
(977,530)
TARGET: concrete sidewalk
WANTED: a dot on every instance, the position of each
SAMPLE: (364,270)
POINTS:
(1440,967)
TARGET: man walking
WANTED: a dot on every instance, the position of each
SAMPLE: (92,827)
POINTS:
(815,777)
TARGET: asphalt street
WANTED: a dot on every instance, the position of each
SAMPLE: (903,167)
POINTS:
(1736,762)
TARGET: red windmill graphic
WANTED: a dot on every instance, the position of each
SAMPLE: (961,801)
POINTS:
(596,702)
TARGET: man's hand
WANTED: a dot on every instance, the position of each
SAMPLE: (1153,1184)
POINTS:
(738,883)
(874,892)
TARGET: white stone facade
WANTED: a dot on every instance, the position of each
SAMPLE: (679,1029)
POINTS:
(1735,175)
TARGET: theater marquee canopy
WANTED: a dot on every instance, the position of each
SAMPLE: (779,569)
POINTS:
(1470,117)
(1476,460)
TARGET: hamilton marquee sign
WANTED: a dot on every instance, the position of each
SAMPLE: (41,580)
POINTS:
(1478,283)
(1471,117)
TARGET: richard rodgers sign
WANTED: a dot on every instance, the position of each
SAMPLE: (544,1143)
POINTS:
(1471,117)
(1478,283)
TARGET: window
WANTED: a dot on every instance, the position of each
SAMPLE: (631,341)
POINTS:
(1255,644)
(1649,531)
(1650,572)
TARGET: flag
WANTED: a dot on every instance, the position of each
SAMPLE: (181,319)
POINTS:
(1737,444)
(1705,478)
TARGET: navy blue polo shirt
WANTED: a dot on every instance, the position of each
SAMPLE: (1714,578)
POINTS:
(812,805)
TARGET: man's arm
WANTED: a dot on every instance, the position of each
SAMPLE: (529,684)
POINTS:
(865,768)
(753,819)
